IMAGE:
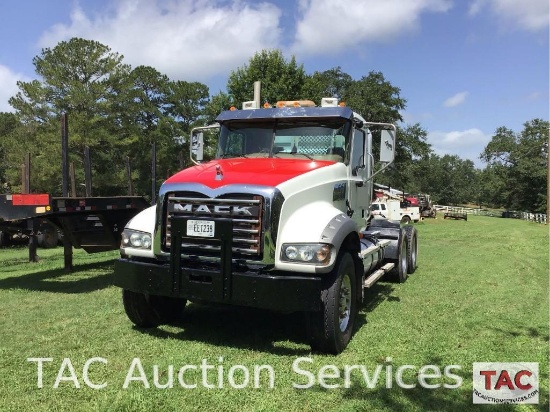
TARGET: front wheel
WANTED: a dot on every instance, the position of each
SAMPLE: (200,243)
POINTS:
(332,327)
(149,311)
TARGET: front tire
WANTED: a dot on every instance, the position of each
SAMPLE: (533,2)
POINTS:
(332,327)
(149,311)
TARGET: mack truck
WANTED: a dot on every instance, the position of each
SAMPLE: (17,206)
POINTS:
(278,220)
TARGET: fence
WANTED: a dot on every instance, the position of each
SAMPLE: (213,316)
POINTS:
(532,217)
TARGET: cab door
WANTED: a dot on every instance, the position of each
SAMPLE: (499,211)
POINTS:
(360,187)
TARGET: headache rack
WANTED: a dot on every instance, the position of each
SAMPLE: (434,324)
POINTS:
(244,211)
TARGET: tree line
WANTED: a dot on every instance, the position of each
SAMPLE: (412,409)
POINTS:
(118,112)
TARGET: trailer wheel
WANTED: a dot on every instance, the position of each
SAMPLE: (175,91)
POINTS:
(406,220)
(149,311)
(48,239)
(412,248)
(331,328)
(399,272)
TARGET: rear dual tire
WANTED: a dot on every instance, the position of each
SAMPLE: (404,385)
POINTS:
(48,239)
(400,271)
(406,262)
(411,237)
(4,238)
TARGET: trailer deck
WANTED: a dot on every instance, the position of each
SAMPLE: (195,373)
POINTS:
(455,215)
(91,223)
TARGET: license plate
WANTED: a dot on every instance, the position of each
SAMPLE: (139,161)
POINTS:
(200,228)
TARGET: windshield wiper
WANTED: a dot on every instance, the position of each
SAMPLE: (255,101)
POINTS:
(228,155)
(303,154)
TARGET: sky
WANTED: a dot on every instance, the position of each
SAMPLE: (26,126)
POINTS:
(465,67)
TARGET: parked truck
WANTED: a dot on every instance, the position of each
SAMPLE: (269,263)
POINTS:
(427,209)
(279,219)
(391,209)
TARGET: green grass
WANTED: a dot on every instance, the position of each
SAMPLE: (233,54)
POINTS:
(480,294)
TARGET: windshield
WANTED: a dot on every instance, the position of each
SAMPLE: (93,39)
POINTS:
(320,139)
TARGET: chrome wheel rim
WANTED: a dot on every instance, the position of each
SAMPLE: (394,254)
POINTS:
(344,307)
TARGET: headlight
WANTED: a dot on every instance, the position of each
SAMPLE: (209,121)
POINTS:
(317,254)
(136,239)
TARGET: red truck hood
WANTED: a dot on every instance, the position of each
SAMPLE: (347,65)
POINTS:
(258,171)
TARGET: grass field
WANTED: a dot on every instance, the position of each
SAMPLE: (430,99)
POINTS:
(480,294)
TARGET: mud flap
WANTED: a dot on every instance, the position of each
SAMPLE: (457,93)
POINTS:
(388,230)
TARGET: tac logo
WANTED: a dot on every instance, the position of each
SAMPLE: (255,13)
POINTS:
(500,382)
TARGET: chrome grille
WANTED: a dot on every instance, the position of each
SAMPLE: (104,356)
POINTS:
(245,212)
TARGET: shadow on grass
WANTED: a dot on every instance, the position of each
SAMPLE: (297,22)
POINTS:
(239,327)
(393,397)
(59,281)
(396,398)
(256,329)
(374,296)
(536,333)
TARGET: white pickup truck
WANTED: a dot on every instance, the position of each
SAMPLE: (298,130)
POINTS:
(392,210)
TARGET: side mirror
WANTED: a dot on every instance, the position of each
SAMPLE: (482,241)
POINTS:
(361,165)
(197,146)
(387,146)
(196,151)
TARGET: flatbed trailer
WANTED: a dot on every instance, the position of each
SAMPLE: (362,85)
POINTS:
(91,223)
(455,215)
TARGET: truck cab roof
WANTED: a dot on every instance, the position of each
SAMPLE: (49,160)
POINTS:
(286,112)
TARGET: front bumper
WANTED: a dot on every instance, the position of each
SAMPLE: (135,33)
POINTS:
(222,284)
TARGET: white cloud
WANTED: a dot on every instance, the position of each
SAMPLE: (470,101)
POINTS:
(329,25)
(531,15)
(467,144)
(8,80)
(456,100)
(536,96)
(184,39)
